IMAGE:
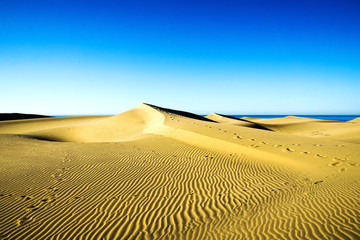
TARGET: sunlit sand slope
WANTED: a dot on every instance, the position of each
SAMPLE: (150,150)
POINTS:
(153,173)
(346,131)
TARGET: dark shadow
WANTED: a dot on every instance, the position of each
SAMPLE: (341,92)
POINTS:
(181,113)
(252,124)
(49,139)
(19,116)
(34,137)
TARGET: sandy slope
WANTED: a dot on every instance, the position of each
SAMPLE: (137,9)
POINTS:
(336,130)
(154,173)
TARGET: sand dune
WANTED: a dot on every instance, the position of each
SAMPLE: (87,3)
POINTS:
(336,130)
(152,173)
(355,121)
(235,121)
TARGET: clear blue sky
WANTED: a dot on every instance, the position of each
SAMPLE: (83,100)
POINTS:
(231,57)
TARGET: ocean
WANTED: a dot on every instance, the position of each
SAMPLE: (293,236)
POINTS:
(323,117)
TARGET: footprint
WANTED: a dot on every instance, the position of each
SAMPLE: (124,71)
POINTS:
(334,164)
(317,182)
(316,145)
(306,152)
(343,170)
(320,155)
(26,198)
(58,180)
(289,150)
(253,139)
(237,137)
(264,143)
(48,200)
(277,145)
(23,221)
(52,189)
(31,208)
(56,175)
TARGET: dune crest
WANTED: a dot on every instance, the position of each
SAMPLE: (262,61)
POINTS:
(346,131)
(129,125)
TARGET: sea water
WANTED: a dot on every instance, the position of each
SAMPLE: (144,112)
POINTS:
(323,117)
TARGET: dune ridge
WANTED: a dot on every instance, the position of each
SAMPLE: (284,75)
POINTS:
(19,116)
(152,173)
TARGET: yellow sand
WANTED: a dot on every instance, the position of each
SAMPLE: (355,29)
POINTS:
(336,130)
(153,173)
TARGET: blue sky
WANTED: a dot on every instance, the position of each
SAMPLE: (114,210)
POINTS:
(231,57)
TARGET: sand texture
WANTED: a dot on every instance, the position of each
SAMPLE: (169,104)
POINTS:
(155,173)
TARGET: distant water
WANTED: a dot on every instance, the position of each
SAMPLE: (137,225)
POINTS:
(323,117)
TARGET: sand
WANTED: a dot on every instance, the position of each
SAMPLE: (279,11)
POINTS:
(155,173)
